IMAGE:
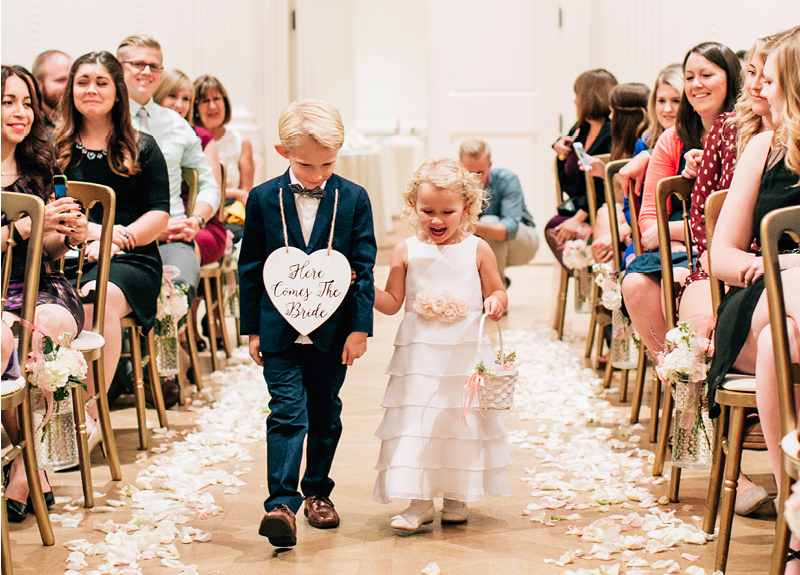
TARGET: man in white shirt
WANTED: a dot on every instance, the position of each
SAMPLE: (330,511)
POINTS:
(141,60)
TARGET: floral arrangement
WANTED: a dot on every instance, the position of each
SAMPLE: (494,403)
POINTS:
(577,255)
(443,306)
(684,365)
(607,279)
(55,367)
(172,301)
(506,362)
(791,509)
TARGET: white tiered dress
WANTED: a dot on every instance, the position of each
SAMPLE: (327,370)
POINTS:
(426,450)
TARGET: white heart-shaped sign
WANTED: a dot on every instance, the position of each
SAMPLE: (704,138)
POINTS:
(306,289)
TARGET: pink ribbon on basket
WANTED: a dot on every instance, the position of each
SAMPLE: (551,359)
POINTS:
(475,382)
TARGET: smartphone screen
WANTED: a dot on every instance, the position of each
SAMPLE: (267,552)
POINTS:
(60,185)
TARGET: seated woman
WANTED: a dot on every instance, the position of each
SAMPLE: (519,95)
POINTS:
(712,75)
(28,168)
(96,142)
(212,111)
(766,178)
(593,130)
(175,91)
(628,103)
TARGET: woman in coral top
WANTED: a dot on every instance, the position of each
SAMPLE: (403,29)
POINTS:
(712,80)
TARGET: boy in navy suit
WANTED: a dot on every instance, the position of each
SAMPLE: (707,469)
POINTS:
(305,373)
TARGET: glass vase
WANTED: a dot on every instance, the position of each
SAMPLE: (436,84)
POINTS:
(54,433)
(693,439)
(584,284)
(624,343)
(167,346)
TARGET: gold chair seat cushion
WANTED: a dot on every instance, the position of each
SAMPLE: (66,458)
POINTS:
(88,341)
(11,386)
(739,382)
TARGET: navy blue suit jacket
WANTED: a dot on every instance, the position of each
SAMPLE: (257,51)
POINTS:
(354,237)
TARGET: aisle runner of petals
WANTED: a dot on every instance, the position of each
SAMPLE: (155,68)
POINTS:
(168,498)
(586,456)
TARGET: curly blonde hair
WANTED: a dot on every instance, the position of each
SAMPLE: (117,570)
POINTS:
(445,174)
(786,55)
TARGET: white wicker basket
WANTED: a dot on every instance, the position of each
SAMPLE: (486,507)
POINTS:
(498,393)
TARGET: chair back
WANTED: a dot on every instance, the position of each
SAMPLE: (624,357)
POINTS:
(223,187)
(89,195)
(635,205)
(559,195)
(612,168)
(591,192)
(16,206)
(713,209)
(192,179)
(773,227)
(681,188)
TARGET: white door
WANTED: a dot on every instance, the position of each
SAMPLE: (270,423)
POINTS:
(494,75)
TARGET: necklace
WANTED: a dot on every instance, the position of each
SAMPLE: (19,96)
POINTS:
(89,153)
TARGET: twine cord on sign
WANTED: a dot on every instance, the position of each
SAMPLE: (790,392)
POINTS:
(333,221)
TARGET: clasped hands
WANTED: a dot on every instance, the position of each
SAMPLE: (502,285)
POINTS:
(180,229)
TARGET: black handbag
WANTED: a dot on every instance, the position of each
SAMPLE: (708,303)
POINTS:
(567,209)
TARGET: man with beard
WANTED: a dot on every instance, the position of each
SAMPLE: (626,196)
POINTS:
(51,70)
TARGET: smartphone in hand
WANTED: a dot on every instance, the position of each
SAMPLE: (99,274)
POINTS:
(60,185)
(585,158)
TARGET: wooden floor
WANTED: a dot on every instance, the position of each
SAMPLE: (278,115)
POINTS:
(497,539)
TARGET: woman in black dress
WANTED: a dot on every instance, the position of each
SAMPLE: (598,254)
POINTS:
(95,142)
(766,178)
(28,168)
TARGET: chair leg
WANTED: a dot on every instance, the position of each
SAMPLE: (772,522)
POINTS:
(590,335)
(561,303)
(638,388)
(155,380)
(664,429)
(212,327)
(732,466)
(5,551)
(220,313)
(104,421)
(675,484)
(138,386)
(717,472)
(623,385)
(608,375)
(32,471)
(782,534)
(84,457)
(191,334)
(655,403)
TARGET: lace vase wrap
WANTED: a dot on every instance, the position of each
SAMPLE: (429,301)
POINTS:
(442,306)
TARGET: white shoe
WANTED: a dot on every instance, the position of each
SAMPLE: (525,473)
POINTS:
(454,511)
(419,513)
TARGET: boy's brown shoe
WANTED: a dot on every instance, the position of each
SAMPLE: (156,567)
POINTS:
(320,512)
(280,527)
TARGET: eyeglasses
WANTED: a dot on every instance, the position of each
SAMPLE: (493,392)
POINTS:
(140,66)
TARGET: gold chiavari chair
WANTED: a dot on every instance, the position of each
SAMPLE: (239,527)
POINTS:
(16,395)
(773,227)
(561,303)
(681,188)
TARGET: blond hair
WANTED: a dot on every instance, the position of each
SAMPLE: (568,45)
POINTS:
(312,119)
(138,41)
(786,55)
(171,82)
(748,123)
(672,76)
(450,175)
(475,149)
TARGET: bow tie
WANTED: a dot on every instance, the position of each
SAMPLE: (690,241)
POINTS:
(316,193)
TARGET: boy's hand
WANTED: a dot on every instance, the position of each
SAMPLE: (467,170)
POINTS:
(493,308)
(354,347)
(255,349)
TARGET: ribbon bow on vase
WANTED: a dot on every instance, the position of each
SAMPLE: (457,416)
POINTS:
(316,193)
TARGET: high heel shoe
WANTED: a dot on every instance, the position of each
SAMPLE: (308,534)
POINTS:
(15,511)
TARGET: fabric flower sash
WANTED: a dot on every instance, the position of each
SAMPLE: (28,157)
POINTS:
(442,306)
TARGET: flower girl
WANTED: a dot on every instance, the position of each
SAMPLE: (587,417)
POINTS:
(448,279)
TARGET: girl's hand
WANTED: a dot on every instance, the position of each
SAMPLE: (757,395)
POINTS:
(563,146)
(753,271)
(693,158)
(493,308)
(634,171)
(61,216)
(650,238)
(601,249)
(568,229)
(123,239)
(597,167)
